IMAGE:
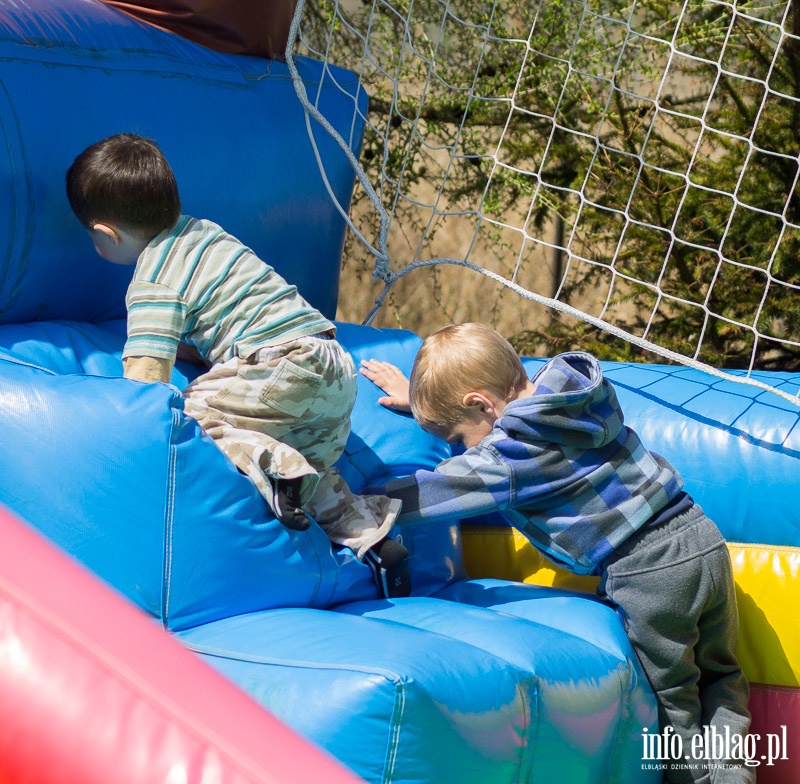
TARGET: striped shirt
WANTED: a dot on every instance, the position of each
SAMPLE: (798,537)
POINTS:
(197,284)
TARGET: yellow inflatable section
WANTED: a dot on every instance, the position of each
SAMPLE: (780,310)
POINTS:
(766,576)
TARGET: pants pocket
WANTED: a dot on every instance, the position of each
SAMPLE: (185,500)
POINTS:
(290,389)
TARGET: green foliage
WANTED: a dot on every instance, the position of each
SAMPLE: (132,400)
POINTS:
(662,136)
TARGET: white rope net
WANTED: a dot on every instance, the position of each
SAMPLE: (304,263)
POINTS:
(622,166)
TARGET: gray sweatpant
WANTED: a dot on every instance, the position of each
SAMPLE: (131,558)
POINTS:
(673,584)
(285,413)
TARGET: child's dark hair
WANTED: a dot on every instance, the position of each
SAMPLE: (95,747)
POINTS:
(124,180)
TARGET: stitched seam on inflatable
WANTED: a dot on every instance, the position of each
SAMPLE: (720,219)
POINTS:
(531,711)
(169,513)
(394,737)
(234,655)
(625,719)
(22,208)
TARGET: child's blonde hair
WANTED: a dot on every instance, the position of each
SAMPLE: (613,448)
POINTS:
(456,360)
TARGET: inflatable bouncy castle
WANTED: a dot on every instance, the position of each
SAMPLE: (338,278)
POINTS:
(157,622)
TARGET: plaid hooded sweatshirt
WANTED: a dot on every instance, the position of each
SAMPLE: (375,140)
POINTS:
(559,465)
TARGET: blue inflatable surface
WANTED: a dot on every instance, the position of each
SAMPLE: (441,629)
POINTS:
(232,128)
(469,681)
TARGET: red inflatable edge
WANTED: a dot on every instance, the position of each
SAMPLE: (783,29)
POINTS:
(775,714)
(92,690)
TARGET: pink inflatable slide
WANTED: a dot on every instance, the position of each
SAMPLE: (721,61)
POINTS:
(92,692)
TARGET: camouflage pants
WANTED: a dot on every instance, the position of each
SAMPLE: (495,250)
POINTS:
(285,413)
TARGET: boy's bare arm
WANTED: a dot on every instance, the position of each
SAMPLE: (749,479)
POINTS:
(148,369)
(152,369)
(391,380)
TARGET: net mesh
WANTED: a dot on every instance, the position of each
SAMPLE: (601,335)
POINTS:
(620,174)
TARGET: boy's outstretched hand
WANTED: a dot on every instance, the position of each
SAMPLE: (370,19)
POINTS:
(391,380)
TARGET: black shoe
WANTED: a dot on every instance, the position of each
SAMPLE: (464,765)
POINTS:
(389,563)
(287,505)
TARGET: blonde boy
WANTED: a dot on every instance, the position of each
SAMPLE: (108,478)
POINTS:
(552,455)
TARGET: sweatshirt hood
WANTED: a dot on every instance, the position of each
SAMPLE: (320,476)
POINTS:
(572,405)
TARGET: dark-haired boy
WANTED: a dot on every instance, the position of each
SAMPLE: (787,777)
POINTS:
(279,389)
